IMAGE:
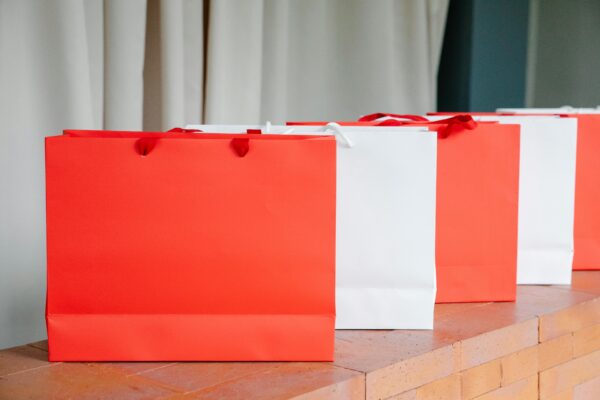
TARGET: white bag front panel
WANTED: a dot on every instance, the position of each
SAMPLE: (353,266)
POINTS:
(546,197)
(386,186)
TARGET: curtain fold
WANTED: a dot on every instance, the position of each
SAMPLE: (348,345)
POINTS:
(156,64)
(234,60)
(316,59)
(124,39)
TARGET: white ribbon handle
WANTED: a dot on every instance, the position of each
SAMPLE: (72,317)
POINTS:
(331,127)
(268,129)
(337,131)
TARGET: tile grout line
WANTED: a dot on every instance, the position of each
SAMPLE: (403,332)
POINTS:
(174,389)
(49,365)
(267,370)
(150,369)
(570,289)
(301,395)
(216,384)
(452,314)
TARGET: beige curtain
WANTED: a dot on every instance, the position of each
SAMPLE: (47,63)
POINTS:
(156,64)
(332,59)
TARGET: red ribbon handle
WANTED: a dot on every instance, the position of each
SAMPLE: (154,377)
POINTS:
(376,116)
(456,124)
(446,126)
(242,145)
(145,145)
(184,130)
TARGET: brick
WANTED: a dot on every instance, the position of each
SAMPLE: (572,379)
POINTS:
(519,365)
(448,310)
(566,395)
(555,351)
(526,389)
(350,389)
(481,379)
(586,340)
(588,390)
(564,376)
(188,377)
(486,317)
(79,381)
(300,381)
(410,395)
(586,281)
(411,373)
(498,343)
(443,389)
(370,350)
(544,300)
(135,368)
(569,320)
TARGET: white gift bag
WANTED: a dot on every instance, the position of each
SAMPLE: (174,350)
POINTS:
(546,197)
(386,187)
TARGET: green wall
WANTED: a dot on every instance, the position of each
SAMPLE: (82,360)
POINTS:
(484,56)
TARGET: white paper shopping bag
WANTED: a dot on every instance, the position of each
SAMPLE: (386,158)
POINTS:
(546,196)
(386,186)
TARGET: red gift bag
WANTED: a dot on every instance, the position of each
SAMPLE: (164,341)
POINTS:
(477,214)
(476,206)
(587,193)
(190,247)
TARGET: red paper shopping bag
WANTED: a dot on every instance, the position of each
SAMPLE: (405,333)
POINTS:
(477,214)
(587,193)
(190,247)
(476,206)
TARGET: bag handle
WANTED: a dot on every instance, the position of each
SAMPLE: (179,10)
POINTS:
(337,131)
(145,145)
(449,126)
(332,127)
(456,124)
(183,130)
(241,146)
(376,116)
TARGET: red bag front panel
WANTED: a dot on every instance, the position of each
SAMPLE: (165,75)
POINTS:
(587,193)
(190,252)
(477,214)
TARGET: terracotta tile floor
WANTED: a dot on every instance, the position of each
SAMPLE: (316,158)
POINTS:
(369,364)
